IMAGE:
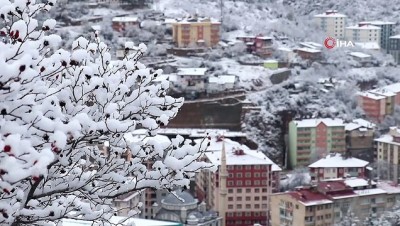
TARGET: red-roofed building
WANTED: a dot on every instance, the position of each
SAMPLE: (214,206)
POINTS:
(328,202)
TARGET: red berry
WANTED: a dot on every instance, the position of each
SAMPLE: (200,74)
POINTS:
(35,178)
(7,148)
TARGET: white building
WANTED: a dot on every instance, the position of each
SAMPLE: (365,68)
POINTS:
(363,33)
(332,22)
(128,202)
(192,79)
(220,83)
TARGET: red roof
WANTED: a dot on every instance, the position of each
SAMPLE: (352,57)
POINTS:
(335,188)
(307,195)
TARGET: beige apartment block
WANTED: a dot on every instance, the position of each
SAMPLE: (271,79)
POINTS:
(332,23)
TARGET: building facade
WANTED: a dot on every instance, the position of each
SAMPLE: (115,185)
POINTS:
(332,23)
(196,32)
(312,139)
(386,32)
(251,178)
(128,202)
(360,137)
(388,154)
(331,202)
(120,24)
(335,166)
(377,103)
(259,45)
(363,33)
(394,47)
(191,79)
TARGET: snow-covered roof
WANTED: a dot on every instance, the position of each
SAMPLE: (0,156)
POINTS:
(330,13)
(370,95)
(116,219)
(364,27)
(393,87)
(389,187)
(311,45)
(358,182)
(387,138)
(169,21)
(264,37)
(309,50)
(222,79)
(367,45)
(395,37)
(250,157)
(271,61)
(162,77)
(189,20)
(359,55)
(192,71)
(378,22)
(359,124)
(125,19)
(383,92)
(315,122)
(336,160)
(371,191)
(134,137)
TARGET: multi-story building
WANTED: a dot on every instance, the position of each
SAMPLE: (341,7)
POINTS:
(260,45)
(311,139)
(240,188)
(335,166)
(386,32)
(196,32)
(388,154)
(332,23)
(363,33)
(330,202)
(377,103)
(191,79)
(394,88)
(120,24)
(360,137)
(394,47)
(128,202)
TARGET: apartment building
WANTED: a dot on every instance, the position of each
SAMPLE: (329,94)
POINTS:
(388,151)
(128,202)
(260,45)
(196,32)
(191,79)
(124,23)
(240,192)
(359,136)
(377,103)
(394,47)
(335,166)
(329,202)
(363,33)
(312,139)
(332,23)
(386,32)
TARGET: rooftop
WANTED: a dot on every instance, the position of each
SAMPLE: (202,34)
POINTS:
(222,79)
(309,50)
(195,19)
(359,55)
(368,45)
(395,88)
(249,157)
(330,13)
(395,37)
(364,27)
(358,124)
(372,95)
(315,122)
(336,160)
(358,182)
(311,45)
(310,198)
(125,19)
(192,71)
(378,22)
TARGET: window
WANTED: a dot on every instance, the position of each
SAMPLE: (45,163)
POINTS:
(239,198)
(230,199)
(239,183)
(239,190)
(264,198)
(256,174)
(247,175)
(264,190)
(248,167)
(230,214)
(248,198)
(248,206)
(264,206)
(230,190)
(239,167)
(247,214)
(239,175)
(230,207)
(257,198)
(256,167)
(257,206)
(231,175)
(239,206)
(297,206)
(257,190)
(256,182)
(238,214)
(248,183)
(230,183)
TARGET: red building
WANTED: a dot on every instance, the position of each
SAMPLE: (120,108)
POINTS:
(124,23)
(377,103)
(252,177)
(308,53)
(336,166)
(260,45)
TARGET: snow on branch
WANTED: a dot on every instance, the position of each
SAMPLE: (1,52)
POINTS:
(58,108)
